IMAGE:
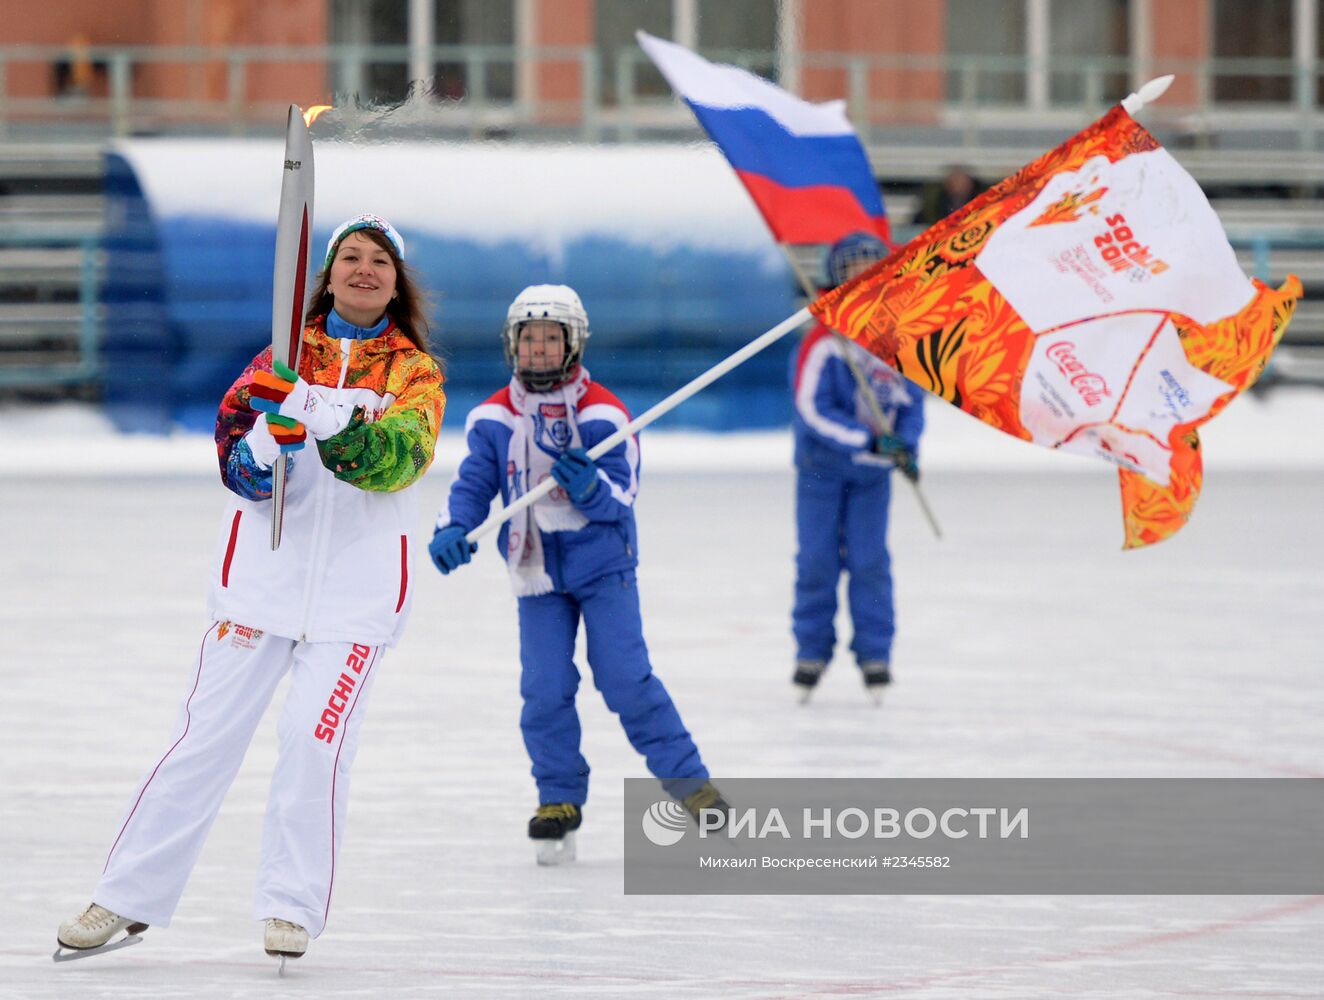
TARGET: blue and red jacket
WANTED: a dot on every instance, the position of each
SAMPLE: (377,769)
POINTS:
(609,542)
(834,424)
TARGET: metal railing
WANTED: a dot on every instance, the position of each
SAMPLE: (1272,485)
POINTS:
(221,88)
(43,343)
(1270,254)
(218,82)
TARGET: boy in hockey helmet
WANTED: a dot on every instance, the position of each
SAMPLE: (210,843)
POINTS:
(543,337)
(571,555)
(843,466)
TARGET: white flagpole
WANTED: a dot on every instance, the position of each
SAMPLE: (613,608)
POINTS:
(1147,94)
(642,421)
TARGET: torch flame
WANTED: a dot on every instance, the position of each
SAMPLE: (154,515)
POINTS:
(314,113)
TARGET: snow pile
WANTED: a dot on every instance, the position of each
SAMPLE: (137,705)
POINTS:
(657,195)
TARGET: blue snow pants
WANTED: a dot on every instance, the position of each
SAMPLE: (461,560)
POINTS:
(621,671)
(841,522)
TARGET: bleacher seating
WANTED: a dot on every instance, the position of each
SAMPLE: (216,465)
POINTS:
(51,217)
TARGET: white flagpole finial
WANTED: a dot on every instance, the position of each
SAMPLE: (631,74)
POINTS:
(1147,94)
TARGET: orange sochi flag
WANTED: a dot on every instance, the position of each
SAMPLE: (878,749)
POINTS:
(1089,302)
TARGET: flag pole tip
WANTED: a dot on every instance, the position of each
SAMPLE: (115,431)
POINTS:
(1147,94)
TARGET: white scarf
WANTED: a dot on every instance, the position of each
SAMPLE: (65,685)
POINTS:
(545,429)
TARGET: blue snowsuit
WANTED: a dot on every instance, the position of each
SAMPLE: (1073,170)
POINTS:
(592,570)
(842,495)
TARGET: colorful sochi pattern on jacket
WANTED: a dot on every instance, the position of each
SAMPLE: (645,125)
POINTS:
(393,389)
(833,421)
(342,572)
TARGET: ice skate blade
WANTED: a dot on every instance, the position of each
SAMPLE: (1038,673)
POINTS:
(804,694)
(557,852)
(281,957)
(63,953)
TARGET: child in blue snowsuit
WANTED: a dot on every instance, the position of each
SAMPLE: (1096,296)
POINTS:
(571,555)
(844,462)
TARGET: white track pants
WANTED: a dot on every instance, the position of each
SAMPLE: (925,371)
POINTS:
(173,808)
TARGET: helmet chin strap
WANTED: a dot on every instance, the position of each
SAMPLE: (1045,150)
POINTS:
(546,381)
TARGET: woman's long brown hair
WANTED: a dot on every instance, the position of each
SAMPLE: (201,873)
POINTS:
(408,309)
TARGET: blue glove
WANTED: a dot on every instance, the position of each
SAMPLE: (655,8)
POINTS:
(577,474)
(902,455)
(449,548)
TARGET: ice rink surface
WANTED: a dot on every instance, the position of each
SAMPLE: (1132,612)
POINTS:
(1029,646)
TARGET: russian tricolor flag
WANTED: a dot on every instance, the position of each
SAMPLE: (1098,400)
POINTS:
(802,163)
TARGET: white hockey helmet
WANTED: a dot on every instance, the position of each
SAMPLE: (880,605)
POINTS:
(560,304)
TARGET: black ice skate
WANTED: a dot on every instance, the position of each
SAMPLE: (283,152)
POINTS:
(807,673)
(90,932)
(553,828)
(707,798)
(877,675)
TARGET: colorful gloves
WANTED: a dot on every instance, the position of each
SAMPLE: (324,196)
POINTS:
(450,549)
(289,434)
(577,474)
(285,394)
(901,454)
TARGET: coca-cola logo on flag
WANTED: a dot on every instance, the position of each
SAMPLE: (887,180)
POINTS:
(1092,387)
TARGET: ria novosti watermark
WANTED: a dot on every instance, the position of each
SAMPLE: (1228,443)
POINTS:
(854,823)
(664,823)
(977,836)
